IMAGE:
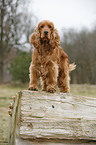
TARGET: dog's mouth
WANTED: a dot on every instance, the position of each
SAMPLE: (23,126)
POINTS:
(45,39)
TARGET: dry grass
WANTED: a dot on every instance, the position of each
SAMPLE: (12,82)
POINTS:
(6,91)
(84,90)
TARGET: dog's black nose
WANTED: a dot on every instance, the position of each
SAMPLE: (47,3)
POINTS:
(46,32)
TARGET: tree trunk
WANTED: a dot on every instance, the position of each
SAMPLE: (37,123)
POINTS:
(1,73)
(1,42)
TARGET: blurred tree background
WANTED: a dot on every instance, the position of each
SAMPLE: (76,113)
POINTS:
(16,26)
(20,67)
(81,49)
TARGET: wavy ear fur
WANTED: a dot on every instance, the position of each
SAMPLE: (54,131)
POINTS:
(55,39)
(35,38)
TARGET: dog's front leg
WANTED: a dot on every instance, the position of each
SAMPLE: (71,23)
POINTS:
(33,85)
(51,79)
(63,77)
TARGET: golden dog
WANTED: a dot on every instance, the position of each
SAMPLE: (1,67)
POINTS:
(49,61)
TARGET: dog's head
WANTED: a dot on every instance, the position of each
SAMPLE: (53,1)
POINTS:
(45,29)
(45,33)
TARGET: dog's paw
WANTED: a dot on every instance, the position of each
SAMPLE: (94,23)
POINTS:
(65,90)
(51,89)
(44,88)
(33,87)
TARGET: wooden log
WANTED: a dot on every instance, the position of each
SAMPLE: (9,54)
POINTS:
(54,116)
(14,120)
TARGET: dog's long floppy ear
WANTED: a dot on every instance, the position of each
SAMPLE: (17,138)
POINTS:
(35,38)
(55,39)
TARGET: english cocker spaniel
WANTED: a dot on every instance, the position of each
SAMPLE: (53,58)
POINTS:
(49,61)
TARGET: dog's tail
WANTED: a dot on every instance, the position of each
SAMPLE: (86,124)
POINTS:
(72,67)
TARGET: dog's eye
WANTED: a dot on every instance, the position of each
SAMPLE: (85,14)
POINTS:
(41,26)
(50,26)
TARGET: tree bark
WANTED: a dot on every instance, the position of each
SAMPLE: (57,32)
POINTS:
(1,43)
(1,72)
(46,116)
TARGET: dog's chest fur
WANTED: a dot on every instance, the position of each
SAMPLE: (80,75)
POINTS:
(45,62)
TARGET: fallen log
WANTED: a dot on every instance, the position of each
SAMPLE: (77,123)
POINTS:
(46,116)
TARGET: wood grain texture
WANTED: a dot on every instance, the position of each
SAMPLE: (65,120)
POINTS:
(14,122)
(58,115)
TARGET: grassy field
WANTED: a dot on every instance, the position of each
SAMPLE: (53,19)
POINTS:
(7,91)
(84,90)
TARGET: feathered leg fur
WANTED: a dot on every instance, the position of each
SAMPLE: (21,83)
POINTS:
(51,79)
(63,78)
(33,78)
